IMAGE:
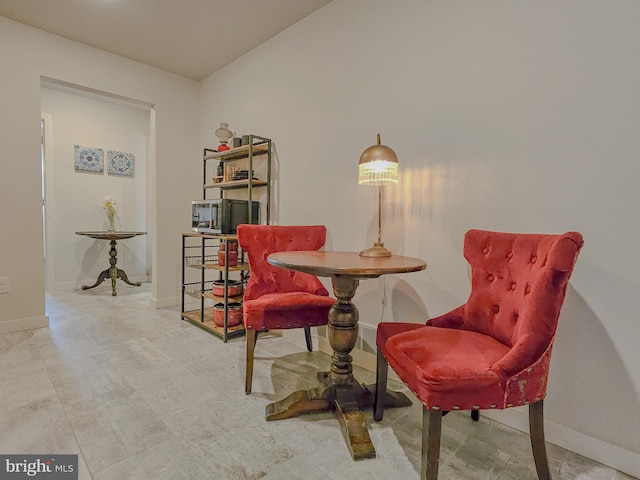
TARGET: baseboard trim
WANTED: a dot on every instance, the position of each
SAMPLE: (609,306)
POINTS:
(64,286)
(610,455)
(21,324)
(163,302)
(77,285)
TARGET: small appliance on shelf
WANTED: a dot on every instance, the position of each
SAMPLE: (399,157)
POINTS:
(222,215)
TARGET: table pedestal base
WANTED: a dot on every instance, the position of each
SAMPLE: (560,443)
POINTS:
(346,401)
(112,272)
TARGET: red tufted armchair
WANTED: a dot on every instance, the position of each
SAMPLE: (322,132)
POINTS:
(276,298)
(493,352)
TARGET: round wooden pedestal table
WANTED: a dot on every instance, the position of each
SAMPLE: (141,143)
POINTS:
(339,391)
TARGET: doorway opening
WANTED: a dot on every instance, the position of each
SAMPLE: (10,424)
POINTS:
(71,193)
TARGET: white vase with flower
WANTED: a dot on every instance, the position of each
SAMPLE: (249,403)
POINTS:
(110,205)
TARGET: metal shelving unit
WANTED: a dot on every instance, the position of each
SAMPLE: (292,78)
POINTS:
(200,250)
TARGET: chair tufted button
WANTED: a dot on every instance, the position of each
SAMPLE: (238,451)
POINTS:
(514,318)
(527,289)
(534,259)
(490,277)
(513,285)
(510,255)
(485,250)
(496,308)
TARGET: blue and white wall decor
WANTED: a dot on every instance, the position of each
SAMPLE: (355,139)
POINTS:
(120,163)
(88,159)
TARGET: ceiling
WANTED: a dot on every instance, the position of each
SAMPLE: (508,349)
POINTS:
(192,38)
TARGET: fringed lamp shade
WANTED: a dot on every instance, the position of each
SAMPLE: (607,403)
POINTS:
(378,166)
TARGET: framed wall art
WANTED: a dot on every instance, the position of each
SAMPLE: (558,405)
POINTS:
(88,159)
(120,163)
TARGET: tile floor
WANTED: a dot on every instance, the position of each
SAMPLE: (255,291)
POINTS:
(140,394)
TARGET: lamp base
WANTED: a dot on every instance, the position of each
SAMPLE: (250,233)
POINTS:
(378,250)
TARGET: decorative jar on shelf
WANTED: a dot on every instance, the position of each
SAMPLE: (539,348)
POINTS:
(232,254)
(224,135)
(234,288)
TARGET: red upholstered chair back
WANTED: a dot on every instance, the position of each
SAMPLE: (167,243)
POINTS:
(519,283)
(267,239)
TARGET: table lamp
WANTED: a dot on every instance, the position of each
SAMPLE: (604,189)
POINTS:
(378,166)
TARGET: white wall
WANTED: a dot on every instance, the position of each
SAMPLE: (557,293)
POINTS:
(506,115)
(27,55)
(72,196)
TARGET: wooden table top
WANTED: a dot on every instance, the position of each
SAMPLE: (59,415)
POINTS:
(329,264)
(108,235)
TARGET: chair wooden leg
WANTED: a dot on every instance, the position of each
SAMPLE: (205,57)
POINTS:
(431,433)
(307,337)
(251,339)
(475,415)
(536,433)
(382,369)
